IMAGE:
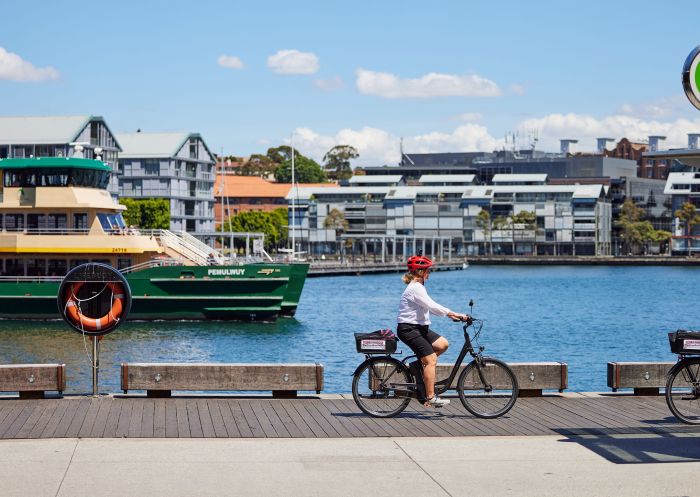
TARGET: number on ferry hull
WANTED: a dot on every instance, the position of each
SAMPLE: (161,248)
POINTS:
(119,250)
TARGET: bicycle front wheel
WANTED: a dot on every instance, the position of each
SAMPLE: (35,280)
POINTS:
(380,387)
(683,390)
(488,389)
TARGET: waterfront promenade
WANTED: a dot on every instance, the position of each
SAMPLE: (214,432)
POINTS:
(573,444)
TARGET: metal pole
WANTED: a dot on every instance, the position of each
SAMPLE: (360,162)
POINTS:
(294,220)
(95,365)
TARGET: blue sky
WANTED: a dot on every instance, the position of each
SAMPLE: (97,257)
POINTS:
(361,71)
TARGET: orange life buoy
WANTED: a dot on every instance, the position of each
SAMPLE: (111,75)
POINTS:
(95,324)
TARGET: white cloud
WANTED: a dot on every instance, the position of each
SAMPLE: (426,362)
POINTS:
(263,141)
(666,107)
(586,129)
(378,147)
(230,62)
(332,84)
(470,116)
(387,85)
(517,89)
(14,68)
(293,62)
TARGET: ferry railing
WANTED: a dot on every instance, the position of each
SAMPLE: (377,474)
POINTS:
(151,263)
(46,231)
(168,239)
(32,279)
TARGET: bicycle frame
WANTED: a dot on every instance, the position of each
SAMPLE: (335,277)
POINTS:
(443,385)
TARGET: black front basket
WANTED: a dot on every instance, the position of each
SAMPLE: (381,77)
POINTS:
(685,342)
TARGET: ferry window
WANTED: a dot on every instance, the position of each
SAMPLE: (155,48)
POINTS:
(1,226)
(104,221)
(12,179)
(80,221)
(58,267)
(102,261)
(37,222)
(77,262)
(36,267)
(58,221)
(14,267)
(123,263)
(14,222)
(117,220)
(4,152)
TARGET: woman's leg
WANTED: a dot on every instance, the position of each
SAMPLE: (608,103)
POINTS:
(429,363)
(440,345)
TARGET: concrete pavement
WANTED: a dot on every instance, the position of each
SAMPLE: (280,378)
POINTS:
(634,465)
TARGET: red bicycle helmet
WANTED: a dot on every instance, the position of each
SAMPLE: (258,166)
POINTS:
(418,262)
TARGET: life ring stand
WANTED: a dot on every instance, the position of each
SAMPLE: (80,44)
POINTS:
(87,323)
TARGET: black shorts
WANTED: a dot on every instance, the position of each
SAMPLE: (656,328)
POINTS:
(418,337)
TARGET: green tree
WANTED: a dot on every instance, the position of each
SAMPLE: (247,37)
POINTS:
(132,214)
(150,214)
(272,224)
(305,171)
(337,159)
(335,220)
(629,223)
(258,165)
(688,215)
(525,221)
(483,221)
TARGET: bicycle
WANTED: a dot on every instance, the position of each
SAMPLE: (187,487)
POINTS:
(383,386)
(683,383)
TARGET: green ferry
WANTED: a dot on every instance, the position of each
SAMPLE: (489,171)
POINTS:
(56,213)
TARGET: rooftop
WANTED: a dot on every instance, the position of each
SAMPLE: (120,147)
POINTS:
(388,178)
(54,162)
(49,130)
(155,145)
(519,178)
(447,178)
(256,187)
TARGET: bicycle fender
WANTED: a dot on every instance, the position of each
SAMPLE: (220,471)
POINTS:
(362,364)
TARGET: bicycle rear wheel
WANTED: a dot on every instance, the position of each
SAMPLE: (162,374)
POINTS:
(487,390)
(379,387)
(683,390)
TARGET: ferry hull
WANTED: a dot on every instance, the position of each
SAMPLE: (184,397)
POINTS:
(251,292)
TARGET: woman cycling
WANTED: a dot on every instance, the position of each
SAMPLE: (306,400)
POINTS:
(414,321)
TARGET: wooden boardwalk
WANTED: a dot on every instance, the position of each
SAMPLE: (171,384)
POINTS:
(229,417)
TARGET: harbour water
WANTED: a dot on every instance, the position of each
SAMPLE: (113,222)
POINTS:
(584,316)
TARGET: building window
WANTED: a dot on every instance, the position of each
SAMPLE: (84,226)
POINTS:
(193,149)
(151,168)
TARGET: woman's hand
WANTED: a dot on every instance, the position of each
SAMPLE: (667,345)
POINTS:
(458,317)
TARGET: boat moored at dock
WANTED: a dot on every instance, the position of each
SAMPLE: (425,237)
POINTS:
(55,214)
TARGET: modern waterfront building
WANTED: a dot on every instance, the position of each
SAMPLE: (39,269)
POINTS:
(684,187)
(178,167)
(566,219)
(677,159)
(86,136)
(486,165)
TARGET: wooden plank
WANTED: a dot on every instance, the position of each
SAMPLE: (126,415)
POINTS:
(307,406)
(19,422)
(230,377)
(217,419)
(148,419)
(61,409)
(37,413)
(43,421)
(205,418)
(370,429)
(12,413)
(252,420)
(79,418)
(30,377)
(638,374)
(340,417)
(134,430)
(112,423)
(98,427)
(171,426)
(275,420)
(183,423)
(193,419)
(310,421)
(124,417)
(67,418)
(292,428)
(299,422)
(159,419)
(262,418)
(240,424)
(89,420)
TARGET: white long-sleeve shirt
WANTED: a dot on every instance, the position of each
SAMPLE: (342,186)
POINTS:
(416,305)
